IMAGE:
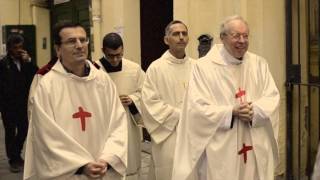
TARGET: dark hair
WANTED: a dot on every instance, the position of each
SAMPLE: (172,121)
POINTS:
(167,29)
(112,41)
(14,39)
(61,25)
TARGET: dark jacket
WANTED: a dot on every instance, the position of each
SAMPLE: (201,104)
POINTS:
(15,84)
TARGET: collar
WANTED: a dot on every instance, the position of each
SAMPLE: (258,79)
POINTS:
(108,67)
(228,58)
(86,69)
(171,58)
(218,54)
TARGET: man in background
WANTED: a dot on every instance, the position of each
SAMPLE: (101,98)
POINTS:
(128,78)
(16,73)
(162,96)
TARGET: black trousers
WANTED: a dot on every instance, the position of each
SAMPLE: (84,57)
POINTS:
(16,129)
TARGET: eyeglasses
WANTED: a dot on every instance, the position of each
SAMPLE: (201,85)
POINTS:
(72,42)
(112,56)
(237,36)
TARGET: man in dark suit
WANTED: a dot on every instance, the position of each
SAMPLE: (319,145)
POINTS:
(16,74)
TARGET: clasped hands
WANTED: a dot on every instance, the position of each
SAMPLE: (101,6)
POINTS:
(243,111)
(95,170)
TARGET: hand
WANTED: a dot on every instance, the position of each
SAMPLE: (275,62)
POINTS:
(24,55)
(125,100)
(103,172)
(94,170)
(243,111)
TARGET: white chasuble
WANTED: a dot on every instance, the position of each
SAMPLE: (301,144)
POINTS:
(162,95)
(75,120)
(213,145)
(316,168)
(129,81)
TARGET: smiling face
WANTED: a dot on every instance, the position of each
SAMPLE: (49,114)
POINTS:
(235,39)
(74,45)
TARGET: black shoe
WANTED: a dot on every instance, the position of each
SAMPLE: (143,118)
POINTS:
(15,168)
(20,162)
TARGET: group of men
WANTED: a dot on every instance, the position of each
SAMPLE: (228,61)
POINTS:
(213,118)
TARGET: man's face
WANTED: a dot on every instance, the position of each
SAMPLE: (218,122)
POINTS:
(236,39)
(16,50)
(74,45)
(114,57)
(178,38)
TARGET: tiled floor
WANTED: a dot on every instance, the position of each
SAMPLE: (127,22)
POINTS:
(5,174)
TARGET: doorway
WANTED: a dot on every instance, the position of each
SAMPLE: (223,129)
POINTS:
(303,86)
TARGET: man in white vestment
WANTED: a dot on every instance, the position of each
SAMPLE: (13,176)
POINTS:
(36,79)
(128,78)
(162,94)
(78,127)
(229,124)
(316,168)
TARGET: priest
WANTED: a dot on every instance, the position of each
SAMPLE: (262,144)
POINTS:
(162,94)
(229,124)
(78,127)
(316,168)
(128,78)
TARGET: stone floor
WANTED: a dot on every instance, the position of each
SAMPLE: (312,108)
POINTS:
(5,174)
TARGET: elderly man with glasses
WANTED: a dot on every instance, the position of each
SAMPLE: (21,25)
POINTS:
(78,126)
(229,124)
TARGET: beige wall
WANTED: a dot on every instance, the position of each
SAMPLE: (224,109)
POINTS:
(41,18)
(10,14)
(96,29)
(28,14)
(267,35)
(6,17)
(122,16)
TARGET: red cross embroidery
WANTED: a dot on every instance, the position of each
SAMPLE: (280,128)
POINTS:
(240,95)
(82,115)
(244,151)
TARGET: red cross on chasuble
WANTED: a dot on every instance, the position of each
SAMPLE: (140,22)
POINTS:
(82,115)
(240,94)
(244,151)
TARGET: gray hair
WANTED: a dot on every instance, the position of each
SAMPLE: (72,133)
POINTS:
(167,29)
(224,28)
